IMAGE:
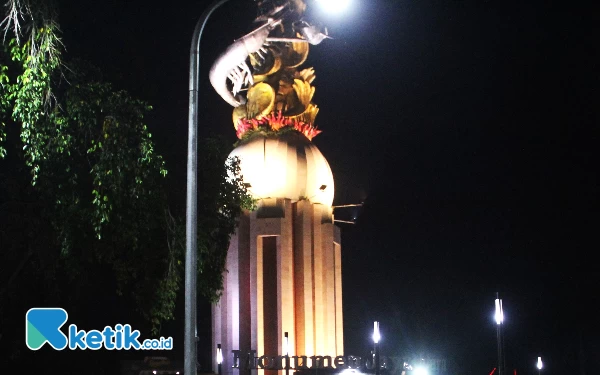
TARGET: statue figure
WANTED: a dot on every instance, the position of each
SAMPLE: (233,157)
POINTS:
(278,95)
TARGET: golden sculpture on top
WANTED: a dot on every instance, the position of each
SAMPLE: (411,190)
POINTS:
(279,94)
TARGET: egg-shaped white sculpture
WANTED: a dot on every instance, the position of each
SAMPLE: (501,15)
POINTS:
(285,166)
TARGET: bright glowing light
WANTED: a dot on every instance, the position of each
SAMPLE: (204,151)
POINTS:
(350,371)
(273,169)
(539,363)
(376,335)
(334,6)
(219,355)
(499,312)
(421,371)
(286,344)
(154,371)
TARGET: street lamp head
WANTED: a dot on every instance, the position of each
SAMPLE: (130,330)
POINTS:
(499,312)
(376,334)
(539,363)
(334,6)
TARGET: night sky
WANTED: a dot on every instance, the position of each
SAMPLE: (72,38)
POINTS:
(467,128)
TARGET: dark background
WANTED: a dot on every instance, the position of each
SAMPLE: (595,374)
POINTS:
(468,129)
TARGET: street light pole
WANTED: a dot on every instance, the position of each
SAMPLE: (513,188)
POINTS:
(191,216)
(499,319)
(376,337)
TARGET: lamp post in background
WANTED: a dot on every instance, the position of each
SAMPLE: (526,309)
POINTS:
(219,358)
(376,338)
(539,365)
(499,320)
(286,352)
(190,350)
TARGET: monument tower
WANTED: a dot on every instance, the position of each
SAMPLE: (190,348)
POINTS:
(284,261)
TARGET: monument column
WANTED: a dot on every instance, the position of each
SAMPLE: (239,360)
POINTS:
(284,261)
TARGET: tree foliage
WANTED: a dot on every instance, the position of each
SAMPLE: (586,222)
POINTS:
(35,49)
(83,193)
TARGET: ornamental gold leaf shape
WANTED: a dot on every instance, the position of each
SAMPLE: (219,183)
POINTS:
(280,93)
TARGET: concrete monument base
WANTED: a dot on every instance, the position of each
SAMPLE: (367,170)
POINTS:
(283,275)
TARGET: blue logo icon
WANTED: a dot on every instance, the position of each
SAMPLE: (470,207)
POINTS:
(42,325)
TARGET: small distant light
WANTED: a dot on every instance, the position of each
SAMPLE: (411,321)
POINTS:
(219,354)
(286,344)
(499,313)
(177,373)
(539,363)
(154,371)
(376,334)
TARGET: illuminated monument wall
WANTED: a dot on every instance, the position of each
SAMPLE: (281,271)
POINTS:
(284,262)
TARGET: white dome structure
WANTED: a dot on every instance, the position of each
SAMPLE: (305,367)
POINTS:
(287,166)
